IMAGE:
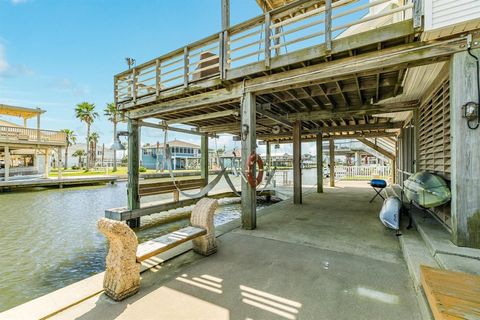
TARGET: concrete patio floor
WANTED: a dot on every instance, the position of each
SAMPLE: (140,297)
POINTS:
(329,258)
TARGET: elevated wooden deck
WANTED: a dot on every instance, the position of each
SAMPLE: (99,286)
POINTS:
(329,67)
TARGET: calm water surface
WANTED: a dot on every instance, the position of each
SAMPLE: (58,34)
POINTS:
(49,239)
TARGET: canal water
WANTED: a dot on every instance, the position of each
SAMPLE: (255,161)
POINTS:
(49,237)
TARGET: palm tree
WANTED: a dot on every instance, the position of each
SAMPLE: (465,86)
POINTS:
(71,140)
(86,113)
(79,153)
(112,113)
(93,140)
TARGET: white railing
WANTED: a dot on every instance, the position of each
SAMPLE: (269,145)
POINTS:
(276,33)
(362,172)
(19,134)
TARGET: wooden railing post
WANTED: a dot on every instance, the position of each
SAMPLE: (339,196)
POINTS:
(185,66)
(134,84)
(157,77)
(267,39)
(328,25)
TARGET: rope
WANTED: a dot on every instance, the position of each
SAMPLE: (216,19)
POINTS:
(203,191)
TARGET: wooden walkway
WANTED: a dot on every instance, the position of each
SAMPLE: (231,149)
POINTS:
(451,295)
(59,183)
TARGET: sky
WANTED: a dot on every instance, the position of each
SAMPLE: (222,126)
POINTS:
(56,54)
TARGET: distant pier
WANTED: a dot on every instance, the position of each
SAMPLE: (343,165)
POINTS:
(56,183)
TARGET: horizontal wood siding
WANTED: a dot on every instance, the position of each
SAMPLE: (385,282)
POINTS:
(442,13)
(434,147)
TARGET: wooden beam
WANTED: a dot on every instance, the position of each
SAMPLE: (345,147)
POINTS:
(205,116)
(266,113)
(319,142)
(377,148)
(297,162)
(190,102)
(359,110)
(287,137)
(249,142)
(170,128)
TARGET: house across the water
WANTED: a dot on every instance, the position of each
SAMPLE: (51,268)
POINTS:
(185,155)
(25,151)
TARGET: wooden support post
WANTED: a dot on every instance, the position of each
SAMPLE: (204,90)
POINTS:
(7,162)
(319,163)
(225,14)
(134,87)
(47,163)
(35,160)
(332,162)
(249,143)
(133,170)
(176,196)
(38,127)
(465,168)
(268,160)
(60,164)
(297,162)
(224,39)
(328,25)
(204,158)
(24,122)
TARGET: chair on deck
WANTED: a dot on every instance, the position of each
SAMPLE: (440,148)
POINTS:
(378,185)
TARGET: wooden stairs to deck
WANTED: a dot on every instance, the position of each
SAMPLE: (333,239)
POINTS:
(451,295)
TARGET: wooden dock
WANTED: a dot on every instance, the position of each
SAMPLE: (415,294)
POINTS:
(57,183)
(451,295)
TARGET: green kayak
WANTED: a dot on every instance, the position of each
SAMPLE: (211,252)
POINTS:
(427,189)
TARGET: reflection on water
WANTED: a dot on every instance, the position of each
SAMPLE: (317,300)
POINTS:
(49,238)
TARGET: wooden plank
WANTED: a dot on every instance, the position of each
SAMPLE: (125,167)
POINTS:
(297,162)
(161,244)
(249,142)
(451,295)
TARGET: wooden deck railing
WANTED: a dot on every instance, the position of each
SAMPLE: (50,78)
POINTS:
(19,134)
(276,33)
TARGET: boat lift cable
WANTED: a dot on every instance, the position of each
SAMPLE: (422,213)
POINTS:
(203,191)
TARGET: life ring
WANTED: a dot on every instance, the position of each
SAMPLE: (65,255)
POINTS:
(252,160)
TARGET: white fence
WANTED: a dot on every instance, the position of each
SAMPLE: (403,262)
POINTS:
(362,172)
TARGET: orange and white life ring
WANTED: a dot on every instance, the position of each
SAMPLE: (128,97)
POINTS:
(254,159)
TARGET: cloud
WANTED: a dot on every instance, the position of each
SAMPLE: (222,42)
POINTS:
(65,85)
(9,71)
(18,1)
(3,60)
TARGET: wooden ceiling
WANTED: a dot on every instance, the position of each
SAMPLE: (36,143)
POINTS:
(334,108)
